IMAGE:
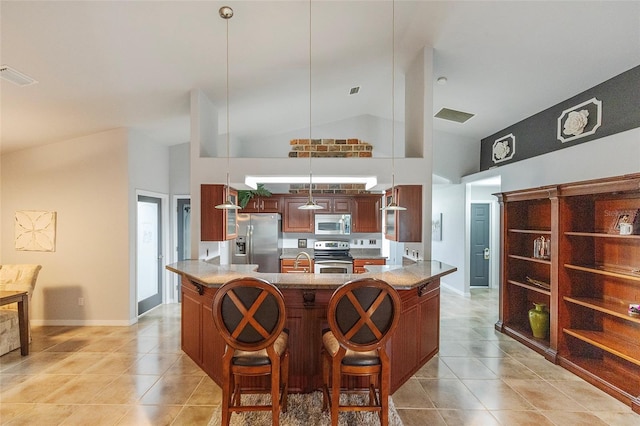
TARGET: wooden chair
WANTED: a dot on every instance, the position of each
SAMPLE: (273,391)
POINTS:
(250,315)
(362,315)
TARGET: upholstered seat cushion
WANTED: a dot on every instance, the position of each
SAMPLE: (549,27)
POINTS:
(356,358)
(256,358)
(9,336)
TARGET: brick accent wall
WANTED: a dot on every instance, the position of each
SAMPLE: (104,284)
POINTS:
(329,188)
(339,148)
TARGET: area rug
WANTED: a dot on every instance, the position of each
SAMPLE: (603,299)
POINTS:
(305,410)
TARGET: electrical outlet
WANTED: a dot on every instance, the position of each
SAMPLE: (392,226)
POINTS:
(80,301)
(372,242)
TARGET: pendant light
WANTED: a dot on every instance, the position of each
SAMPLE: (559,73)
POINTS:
(226,13)
(392,203)
(310,204)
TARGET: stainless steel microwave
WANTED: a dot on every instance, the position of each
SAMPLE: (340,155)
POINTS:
(333,224)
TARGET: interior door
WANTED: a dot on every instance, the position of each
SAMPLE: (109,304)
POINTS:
(183,243)
(479,266)
(149,253)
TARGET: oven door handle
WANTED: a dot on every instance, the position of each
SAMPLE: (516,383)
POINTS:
(320,262)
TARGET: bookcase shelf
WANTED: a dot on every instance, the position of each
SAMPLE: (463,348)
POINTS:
(593,275)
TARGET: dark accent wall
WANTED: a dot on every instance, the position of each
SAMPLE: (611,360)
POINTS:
(537,135)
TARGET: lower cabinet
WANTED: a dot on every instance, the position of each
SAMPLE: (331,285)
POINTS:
(416,340)
(287,266)
(200,338)
(359,264)
(413,344)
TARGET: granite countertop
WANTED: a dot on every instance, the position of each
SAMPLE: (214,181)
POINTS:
(401,277)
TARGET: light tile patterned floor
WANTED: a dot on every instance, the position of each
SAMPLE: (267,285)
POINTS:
(482,377)
(139,376)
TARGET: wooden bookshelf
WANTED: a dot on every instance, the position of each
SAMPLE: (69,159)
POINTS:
(593,274)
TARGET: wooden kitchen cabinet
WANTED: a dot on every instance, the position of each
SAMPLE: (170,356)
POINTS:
(296,220)
(404,225)
(366,215)
(200,338)
(271,204)
(217,224)
(359,264)
(286,266)
(334,204)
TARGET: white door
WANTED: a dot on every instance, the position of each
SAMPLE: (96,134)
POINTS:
(149,253)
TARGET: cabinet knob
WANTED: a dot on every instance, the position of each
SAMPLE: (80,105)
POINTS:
(308,298)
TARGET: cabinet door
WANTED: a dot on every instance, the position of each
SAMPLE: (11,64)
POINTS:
(191,323)
(270,204)
(409,221)
(253,206)
(390,219)
(287,266)
(341,205)
(217,224)
(366,215)
(231,217)
(296,220)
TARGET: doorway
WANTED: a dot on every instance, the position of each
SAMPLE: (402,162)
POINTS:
(183,237)
(480,245)
(149,253)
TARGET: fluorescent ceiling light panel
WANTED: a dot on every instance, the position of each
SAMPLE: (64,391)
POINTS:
(368,181)
(15,76)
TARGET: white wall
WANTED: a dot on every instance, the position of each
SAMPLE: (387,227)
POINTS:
(613,155)
(86,181)
(148,175)
(371,129)
(454,156)
(450,201)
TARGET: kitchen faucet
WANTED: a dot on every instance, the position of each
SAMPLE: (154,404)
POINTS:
(305,254)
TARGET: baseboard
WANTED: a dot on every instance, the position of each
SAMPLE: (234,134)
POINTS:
(453,289)
(81,323)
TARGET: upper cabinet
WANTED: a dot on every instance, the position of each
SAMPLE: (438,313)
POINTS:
(404,225)
(271,204)
(334,204)
(296,220)
(217,224)
(366,214)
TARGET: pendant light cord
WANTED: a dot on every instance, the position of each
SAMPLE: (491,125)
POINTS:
(310,141)
(228,161)
(393,98)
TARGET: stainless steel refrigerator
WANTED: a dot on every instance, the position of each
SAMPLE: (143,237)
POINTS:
(259,241)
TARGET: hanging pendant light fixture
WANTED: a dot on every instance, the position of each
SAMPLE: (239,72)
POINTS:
(392,203)
(226,13)
(310,204)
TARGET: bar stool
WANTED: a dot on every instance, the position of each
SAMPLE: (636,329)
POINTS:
(249,313)
(362,315)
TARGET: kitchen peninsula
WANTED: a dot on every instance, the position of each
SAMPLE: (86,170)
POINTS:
(307,295)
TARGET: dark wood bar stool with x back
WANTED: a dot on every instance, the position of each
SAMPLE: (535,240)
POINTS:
(362,315)
(250,315)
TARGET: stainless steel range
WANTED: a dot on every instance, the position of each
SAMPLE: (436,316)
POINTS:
(332,257)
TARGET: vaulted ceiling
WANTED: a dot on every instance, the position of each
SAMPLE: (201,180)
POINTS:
(107,64)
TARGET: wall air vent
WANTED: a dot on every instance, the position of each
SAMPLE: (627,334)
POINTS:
(354,90)
(453,115)
(15,76)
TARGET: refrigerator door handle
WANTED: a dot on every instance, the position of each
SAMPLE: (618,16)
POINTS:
(249,243)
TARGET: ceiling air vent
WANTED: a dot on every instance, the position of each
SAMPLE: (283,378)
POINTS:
(15,76)
(453,115)
(354,90)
